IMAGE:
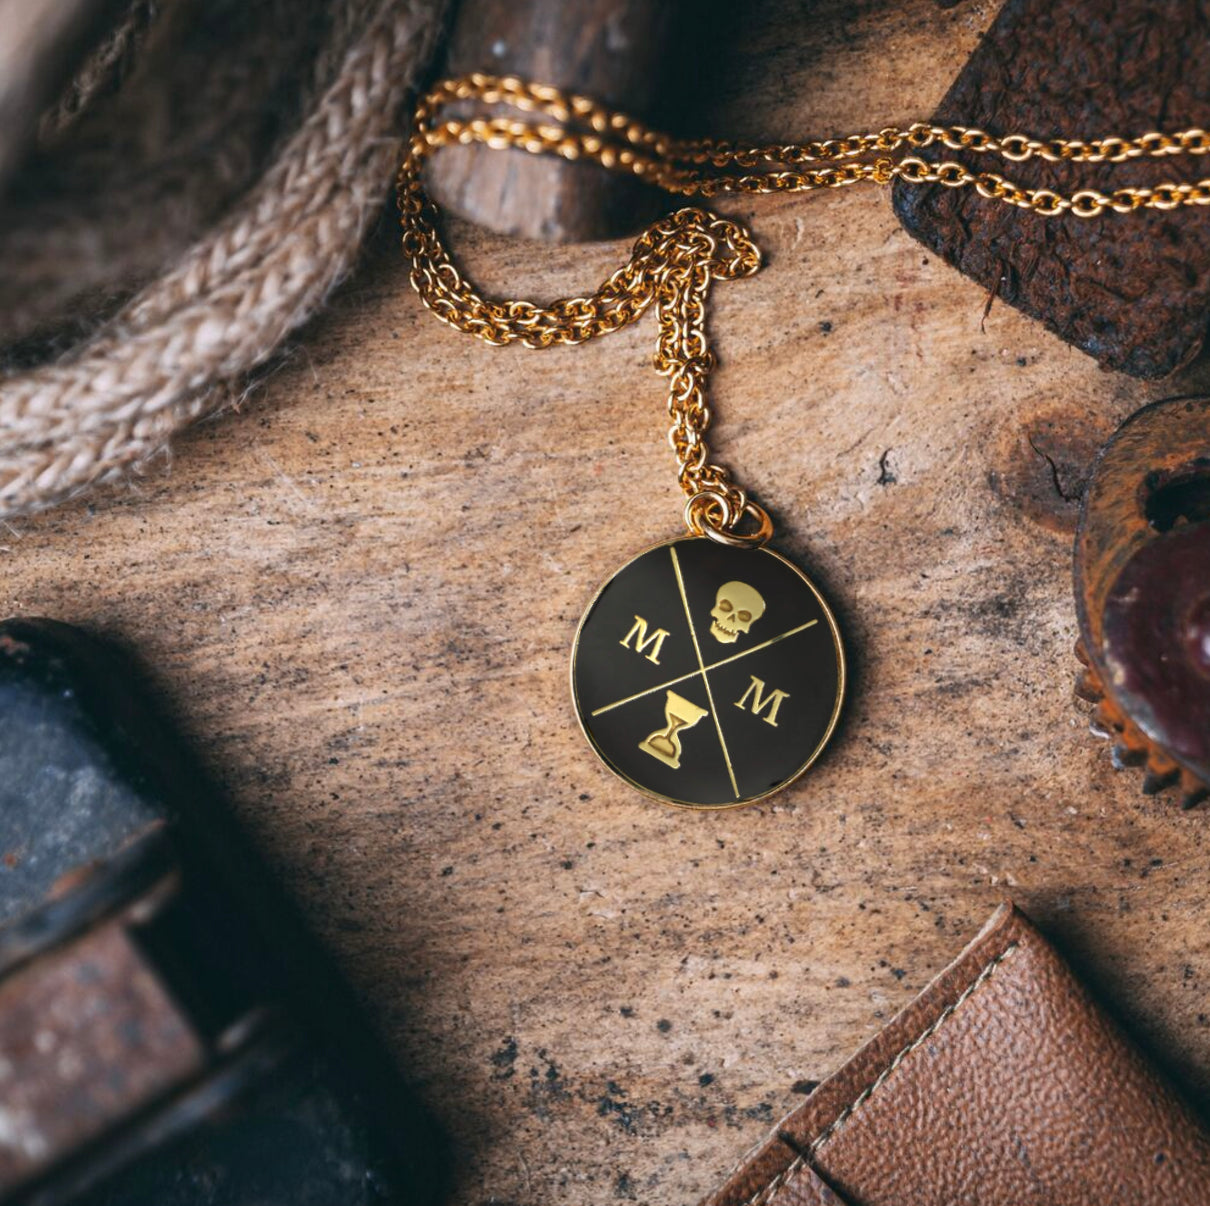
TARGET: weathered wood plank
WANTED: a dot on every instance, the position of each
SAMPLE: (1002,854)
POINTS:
(361,592)
(619,52)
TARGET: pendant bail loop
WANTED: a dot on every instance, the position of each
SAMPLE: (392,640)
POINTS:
(710,513)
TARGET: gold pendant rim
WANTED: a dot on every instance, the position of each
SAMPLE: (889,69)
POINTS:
(747,802)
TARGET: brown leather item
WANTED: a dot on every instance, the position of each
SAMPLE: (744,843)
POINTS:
(1002,1083)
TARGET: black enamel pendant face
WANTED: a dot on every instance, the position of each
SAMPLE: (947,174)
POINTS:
(708,676)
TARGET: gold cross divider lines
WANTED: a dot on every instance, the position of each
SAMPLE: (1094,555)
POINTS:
(701,665)
(735,657)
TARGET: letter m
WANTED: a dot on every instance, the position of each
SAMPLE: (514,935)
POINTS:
(642,640)
(761,701)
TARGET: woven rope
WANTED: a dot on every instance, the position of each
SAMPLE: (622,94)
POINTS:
(181,346)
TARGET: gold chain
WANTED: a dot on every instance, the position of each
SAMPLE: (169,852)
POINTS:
(675,259)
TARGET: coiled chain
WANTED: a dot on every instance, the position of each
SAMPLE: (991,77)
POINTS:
(674,260)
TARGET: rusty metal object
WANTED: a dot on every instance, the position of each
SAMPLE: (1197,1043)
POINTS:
(615,51)
(161,1006)
(1142,572)
(1134,294)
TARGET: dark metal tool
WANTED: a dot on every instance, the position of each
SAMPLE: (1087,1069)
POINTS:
(1142,572)
(169,1032)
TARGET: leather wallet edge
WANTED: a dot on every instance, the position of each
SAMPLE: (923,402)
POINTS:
(786,1152)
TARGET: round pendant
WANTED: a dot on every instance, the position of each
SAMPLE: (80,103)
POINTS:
(708,676)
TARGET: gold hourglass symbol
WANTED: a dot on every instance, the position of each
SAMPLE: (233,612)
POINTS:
(665,744)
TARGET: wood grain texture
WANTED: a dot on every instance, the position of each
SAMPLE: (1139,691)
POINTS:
(361,592)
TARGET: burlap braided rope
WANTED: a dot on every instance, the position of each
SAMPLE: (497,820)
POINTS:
(187,267)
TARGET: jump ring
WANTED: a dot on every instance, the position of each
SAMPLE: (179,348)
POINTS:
(709,513)
(745,540)
(706,510)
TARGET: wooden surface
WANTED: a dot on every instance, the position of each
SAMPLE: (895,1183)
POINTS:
(361,590)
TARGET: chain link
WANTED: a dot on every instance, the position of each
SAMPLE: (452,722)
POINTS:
(674,261)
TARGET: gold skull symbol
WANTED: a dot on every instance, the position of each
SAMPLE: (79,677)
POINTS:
(736,608)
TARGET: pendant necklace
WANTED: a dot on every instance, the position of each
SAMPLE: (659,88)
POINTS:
(708,672)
